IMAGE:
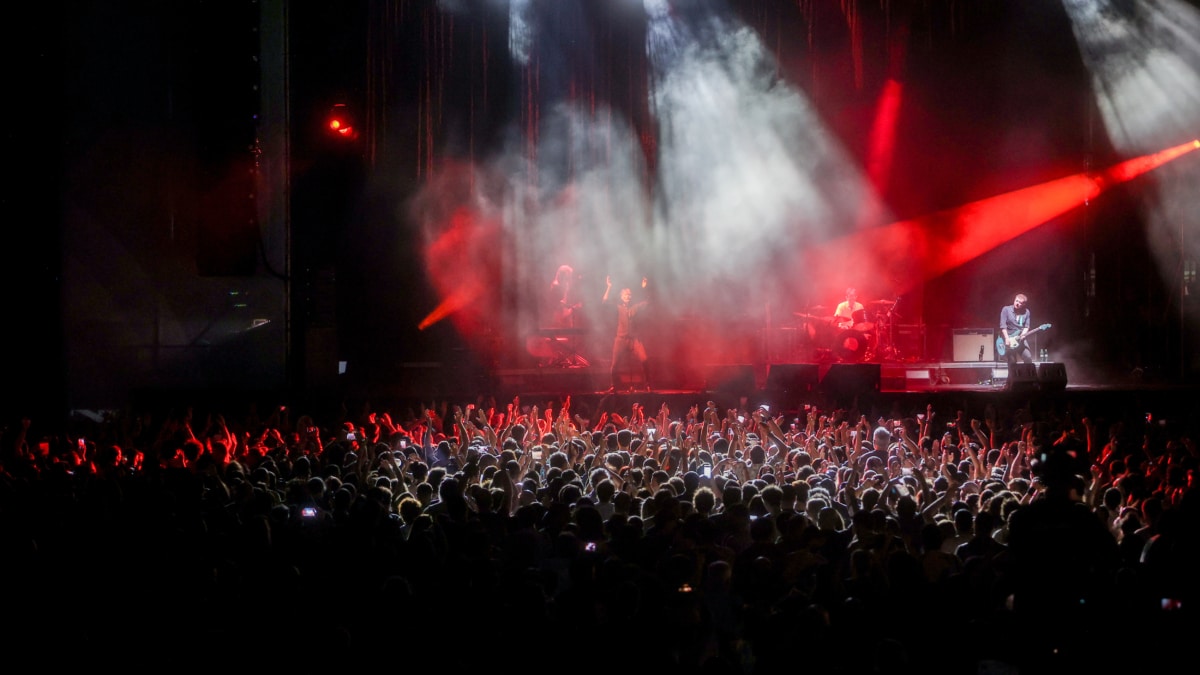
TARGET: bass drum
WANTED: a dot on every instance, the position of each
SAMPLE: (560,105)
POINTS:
(819,331)
(851,346)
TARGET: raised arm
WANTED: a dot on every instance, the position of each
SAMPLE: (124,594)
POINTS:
(984,439)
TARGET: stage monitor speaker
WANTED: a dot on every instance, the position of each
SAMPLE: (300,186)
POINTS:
(731,379)
(1052,376)
(790,381)
(974,344)
(851,379)
(1022,377)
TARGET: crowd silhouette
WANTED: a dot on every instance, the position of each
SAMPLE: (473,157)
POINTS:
(713,539)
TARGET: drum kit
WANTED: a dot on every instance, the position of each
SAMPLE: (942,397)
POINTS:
(865,337)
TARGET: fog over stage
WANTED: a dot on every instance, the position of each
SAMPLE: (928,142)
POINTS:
(750,159)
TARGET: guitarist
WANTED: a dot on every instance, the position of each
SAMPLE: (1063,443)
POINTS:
(562,302)
(1015,324)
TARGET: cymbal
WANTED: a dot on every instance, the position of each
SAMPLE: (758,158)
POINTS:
(807,316)
(881,302)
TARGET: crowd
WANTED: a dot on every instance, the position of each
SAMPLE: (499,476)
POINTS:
(714,539)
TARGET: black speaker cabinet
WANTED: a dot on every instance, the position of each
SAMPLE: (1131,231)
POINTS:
(851,379)
(792,377)
(789,383)
(1022,377)
(1052,376)
(731,379)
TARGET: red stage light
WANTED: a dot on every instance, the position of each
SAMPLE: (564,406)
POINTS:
(340,122)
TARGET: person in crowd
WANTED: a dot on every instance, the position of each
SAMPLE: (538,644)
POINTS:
(830,529)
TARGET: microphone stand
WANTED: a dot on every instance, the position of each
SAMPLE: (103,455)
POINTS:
(890,350)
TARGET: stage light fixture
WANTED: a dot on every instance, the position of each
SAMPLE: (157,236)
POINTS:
(340,122)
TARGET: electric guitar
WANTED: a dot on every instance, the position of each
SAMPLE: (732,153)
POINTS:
(1015,341)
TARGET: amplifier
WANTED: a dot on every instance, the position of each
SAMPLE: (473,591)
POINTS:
(910,340)
(974,344)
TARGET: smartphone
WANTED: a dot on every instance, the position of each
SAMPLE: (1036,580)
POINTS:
(308,512)
(403,443)
(591,546)
(537,455)
(83,444)
(706,471)
(741,419)
(350,436)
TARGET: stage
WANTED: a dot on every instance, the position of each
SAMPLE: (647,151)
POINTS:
(894,377)
(884,386)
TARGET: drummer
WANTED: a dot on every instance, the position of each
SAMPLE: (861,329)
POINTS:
(850,312)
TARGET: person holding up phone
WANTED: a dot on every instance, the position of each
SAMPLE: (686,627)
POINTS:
(307,437)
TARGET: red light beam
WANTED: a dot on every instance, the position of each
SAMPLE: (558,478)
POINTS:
(910,252)
(883,135)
